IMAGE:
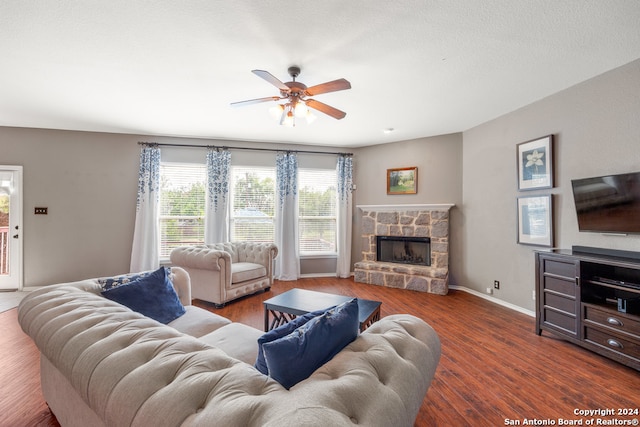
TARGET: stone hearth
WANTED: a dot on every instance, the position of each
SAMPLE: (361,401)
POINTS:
(410,221)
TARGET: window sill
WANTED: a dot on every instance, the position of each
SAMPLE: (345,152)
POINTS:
(318,255)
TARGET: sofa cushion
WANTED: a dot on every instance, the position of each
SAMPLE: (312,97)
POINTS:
(294,357)
(280,332)
(198,322)
(243,271)
(235,339)
(152,295)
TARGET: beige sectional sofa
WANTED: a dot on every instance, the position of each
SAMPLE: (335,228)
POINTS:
(105,365)
(223,272)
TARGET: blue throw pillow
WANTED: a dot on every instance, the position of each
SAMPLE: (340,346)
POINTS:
(293,358)
(113,282)
(280,332)
(152,295)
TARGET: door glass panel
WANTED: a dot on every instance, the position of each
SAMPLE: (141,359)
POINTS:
(4,231)
(10,233)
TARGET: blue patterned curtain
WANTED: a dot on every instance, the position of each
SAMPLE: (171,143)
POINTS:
(286,238)
(145,251)
(344,169)
(216,229)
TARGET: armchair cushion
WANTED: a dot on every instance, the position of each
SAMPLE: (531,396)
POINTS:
(243,271)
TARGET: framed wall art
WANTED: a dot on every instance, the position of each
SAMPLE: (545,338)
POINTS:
(535,164)
(402,180)
(535,221)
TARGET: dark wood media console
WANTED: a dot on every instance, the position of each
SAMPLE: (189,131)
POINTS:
(591,297)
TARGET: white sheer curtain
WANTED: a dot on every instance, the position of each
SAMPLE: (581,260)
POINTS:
(286,228)
(344,169)
(145,251)
(216,219)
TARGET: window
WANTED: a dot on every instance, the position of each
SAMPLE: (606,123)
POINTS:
(182,206)
(317,210)
(253,204)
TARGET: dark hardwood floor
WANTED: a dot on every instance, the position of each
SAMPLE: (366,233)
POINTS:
(494,368)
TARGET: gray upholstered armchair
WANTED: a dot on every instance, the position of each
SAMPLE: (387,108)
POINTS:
(223,272)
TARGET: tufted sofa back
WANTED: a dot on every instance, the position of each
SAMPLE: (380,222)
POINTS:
(131,370)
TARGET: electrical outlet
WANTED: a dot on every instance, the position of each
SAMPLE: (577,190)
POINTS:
(496,284)
(40,211)
(489,291)
(533,294)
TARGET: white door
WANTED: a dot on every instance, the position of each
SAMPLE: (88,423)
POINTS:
(10,227)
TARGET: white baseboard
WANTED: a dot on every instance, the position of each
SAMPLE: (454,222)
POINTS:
(494,300)
(312,275)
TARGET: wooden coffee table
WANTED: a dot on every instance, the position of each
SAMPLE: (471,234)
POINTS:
(296,302)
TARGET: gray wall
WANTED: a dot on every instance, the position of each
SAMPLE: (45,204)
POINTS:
(439,162)
(596,126)
(89,183)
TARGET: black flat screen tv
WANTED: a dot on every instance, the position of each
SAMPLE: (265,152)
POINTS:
(608,204)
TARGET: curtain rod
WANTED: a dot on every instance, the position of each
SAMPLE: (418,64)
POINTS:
(155,144)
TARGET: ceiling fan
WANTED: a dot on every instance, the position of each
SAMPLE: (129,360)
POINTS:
(293,100)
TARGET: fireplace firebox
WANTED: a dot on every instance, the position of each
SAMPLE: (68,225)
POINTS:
(404,250)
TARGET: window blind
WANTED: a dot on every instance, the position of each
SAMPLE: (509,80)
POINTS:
(317,210)
(182,205)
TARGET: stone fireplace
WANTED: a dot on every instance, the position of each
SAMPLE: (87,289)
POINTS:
(403,234)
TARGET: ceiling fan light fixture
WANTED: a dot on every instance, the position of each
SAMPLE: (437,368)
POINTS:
(276,111)
(310,117)
(288,117)
(301,109)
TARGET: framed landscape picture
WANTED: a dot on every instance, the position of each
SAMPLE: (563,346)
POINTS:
(402,180)
(535,164)
(535,226)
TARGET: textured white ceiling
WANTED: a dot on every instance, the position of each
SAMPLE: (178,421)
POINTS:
(422,67)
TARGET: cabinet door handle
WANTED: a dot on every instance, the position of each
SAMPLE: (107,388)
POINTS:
(614,343)
(614,321)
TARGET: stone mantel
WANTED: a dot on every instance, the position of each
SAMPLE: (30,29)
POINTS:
(404,208)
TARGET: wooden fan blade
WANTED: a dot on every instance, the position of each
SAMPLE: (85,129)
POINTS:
(324,108)
(271,79)
(333,86)
(255,101)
